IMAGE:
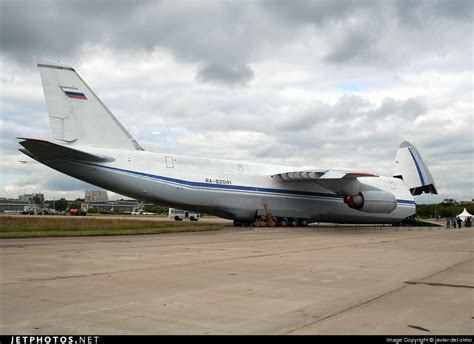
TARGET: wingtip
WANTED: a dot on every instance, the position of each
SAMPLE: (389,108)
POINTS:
(31,139)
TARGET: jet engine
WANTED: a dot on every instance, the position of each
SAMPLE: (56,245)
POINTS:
(372,201)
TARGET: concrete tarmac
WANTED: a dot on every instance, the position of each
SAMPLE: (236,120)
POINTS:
(331,280)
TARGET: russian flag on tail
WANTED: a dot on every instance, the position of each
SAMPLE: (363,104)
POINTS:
(72,92)
(75,95)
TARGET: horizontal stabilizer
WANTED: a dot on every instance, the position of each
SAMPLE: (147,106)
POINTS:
(44,151)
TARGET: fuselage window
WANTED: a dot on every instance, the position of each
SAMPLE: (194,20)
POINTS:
(169,162)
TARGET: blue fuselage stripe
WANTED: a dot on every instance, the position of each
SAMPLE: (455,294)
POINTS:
(417,168)
(234,187)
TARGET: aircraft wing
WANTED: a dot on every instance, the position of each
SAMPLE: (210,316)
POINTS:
(42,151)
(338,181)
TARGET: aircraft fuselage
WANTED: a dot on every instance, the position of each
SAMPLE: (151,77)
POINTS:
(229,189)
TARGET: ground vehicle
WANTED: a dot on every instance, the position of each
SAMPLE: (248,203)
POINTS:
(140,211)
(77,212)
(179,215)
(35,209)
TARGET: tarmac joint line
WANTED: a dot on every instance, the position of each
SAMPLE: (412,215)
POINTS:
(375,298)
(432,284)
(419,328)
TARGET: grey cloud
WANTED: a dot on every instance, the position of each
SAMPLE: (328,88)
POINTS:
(316,12)
(353,131)
(226,38)
(346,28)
(354,45)
(410,12)
(454,9)
(11,129)
(317,132)
(353,30)
(227,74)
(65,183)
(211,35)
(350,108)
(407,109)
(418,13)
(413,107)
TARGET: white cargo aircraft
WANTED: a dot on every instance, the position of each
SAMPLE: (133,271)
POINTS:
(90,144)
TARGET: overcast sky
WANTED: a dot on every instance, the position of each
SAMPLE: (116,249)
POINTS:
(324,84)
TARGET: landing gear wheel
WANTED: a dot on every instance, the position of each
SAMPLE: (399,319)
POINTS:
(274,222)
(282,222)
(303,222)
(239,223)
(293,222)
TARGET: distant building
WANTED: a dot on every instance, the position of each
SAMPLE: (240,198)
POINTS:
(26,197)
(96,196)
(467,202)
(34,198)
(126,206)
(449,200)
(12,205)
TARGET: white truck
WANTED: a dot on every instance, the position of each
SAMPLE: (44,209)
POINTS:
(179,215)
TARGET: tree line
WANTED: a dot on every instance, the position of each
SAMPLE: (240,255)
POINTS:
(442,209)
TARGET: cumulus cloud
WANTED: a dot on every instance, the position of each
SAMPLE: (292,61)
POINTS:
(227,74)
(313,83)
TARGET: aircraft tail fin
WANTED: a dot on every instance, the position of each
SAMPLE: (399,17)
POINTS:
(76,114)
(410,167)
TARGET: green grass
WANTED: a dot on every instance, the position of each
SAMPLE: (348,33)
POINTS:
(33,227)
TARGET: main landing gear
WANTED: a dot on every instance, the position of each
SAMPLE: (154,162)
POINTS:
(292,222)
(262,221)
(268,220)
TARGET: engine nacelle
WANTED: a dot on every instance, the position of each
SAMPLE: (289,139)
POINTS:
(372,202)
